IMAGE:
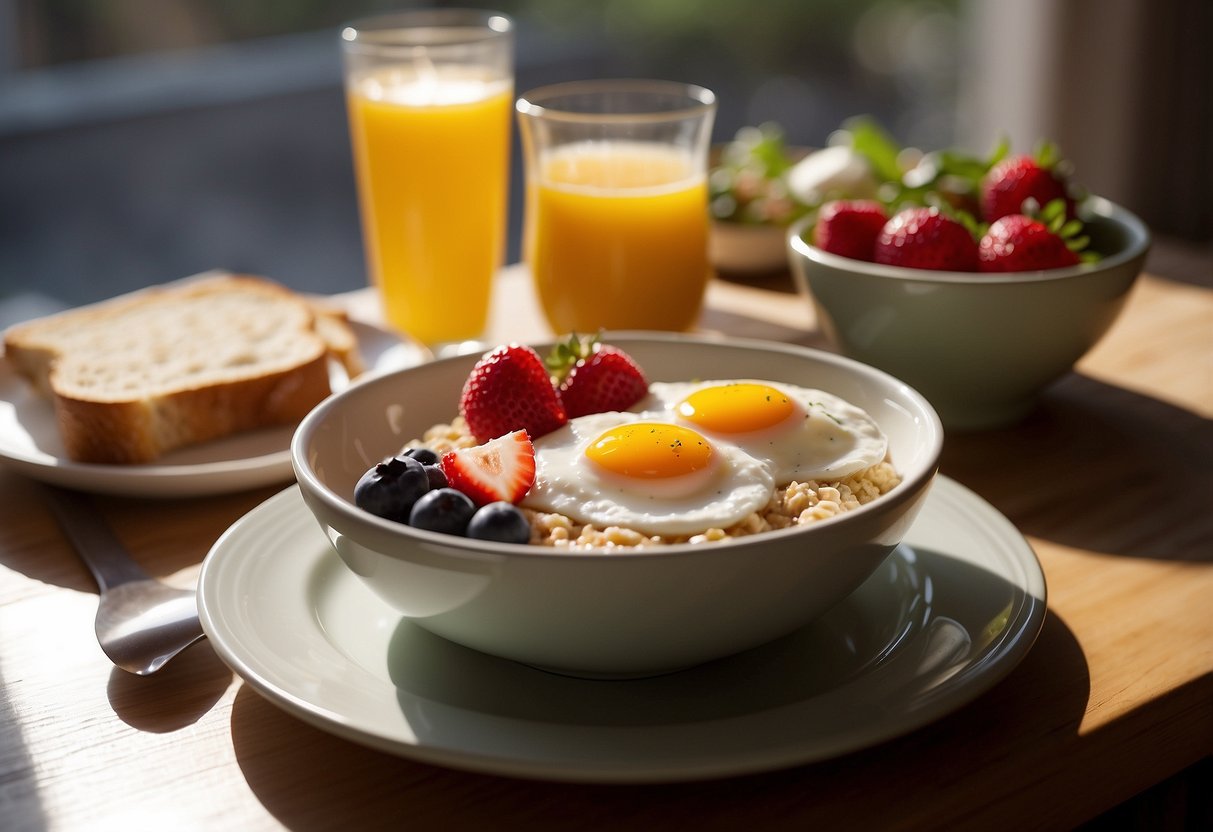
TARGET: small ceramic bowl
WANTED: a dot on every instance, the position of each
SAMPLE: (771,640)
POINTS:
(739,248)
(621,613)
(980,347)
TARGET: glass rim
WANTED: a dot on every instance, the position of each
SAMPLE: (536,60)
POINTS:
(699,100)
(390,31)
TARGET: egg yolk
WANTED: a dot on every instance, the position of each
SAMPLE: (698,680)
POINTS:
(737,408)
(645,450)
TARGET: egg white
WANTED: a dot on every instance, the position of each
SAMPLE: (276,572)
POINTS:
(569,483)
(826,438)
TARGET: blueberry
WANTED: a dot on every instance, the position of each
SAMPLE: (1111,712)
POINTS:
(437,476)
(500,521)
(390,488)
(443,510)
(423,455)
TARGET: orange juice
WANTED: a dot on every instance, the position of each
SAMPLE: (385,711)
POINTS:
(617,236)
(431,155)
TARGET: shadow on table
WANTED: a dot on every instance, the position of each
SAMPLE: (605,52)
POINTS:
(20,801)
(308,779)
(175,697)
(1124,473)
(180,536)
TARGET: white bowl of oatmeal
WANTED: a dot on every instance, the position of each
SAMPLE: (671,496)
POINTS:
(610,601)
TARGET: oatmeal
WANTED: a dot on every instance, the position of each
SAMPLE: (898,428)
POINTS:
(796,503)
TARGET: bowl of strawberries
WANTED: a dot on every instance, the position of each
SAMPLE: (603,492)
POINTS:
(978,281)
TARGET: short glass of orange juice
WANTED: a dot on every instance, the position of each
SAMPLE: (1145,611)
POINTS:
(616,226)
(429,95)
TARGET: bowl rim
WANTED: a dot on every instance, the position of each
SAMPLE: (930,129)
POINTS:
(1097,206)
(910,485)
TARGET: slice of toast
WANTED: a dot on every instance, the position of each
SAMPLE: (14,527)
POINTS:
(137,376)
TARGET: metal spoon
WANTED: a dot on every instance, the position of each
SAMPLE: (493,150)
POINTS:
(141,622)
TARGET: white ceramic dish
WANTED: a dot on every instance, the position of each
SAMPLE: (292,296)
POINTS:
(737,248)
(628,612)
(981,347)
(948,615)
(30,443)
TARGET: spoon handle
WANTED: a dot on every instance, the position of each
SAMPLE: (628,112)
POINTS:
(96,544)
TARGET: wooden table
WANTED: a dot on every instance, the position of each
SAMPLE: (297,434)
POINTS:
(1109,480)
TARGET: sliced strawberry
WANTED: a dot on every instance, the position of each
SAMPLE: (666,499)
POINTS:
(595,377)
(500,469)
(509,389)
(849,227)
(925,238)
(1014,181)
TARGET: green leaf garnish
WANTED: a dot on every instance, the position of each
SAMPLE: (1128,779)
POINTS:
(748,184)
(878,147)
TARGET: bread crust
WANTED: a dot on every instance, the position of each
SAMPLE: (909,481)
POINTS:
(141,431)
(125,398)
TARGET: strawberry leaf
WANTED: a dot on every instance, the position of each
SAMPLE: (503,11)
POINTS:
(1070,229)
(999,152)
(1079,244)
(1047,155)
(970,222)
(964,166)
(871,141)
(947,209)
(564,355)
(1053,213)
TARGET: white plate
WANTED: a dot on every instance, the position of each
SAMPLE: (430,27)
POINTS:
(30,443)
(948,615)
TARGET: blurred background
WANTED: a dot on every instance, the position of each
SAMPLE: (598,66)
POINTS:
(146,140)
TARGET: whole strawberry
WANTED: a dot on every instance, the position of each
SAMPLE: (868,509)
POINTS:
(1013,181)
(925,238)
(595,377)
(1018,243)
(509,389)
(849,227)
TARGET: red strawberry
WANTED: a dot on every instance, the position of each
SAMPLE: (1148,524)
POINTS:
(849,227)
(1017,243)
(500,469)
(1017,179)
(924,238)
(595,377)
(509,389)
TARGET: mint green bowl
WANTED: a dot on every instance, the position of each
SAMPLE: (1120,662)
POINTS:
(979,347)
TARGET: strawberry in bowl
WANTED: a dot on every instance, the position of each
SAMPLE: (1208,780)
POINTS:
(510,396)
(1012,182)
(985,283)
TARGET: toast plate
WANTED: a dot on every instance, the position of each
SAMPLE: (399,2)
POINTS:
(30,443)
(948,615)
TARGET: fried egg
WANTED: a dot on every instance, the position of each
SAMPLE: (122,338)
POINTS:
(648,474)
(800,434)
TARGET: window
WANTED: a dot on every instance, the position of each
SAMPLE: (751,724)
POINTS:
(142,141)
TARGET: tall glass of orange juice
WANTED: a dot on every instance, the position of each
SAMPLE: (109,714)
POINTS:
(616,227)
(429,95)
